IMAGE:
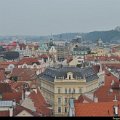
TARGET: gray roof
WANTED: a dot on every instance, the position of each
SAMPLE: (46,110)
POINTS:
(87,72)
(6,103)
(82,48)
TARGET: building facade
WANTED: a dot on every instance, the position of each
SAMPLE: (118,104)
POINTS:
(58,85)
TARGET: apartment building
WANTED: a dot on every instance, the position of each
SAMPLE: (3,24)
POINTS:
(58,85)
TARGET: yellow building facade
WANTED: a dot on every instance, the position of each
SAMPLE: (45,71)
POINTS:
(66,83)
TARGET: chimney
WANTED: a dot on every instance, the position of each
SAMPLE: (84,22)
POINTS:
(35,90)
(11,112)
(95,99)
(115,107)
(23,94)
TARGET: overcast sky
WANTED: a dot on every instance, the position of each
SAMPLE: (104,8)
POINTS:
(43,17)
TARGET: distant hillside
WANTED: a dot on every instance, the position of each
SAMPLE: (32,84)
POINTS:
(106,36)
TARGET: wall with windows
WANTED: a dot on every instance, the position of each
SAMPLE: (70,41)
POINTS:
(66,90)
(59,92)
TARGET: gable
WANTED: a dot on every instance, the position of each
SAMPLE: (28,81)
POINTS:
(24,113)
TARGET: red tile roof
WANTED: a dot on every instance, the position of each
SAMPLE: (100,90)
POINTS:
(5,87)
(17,96)
(28,61)
(44,56)
(94,109)
(40,103)
(5,64)
(104,93)
(2,75)
(4,113)
(24,74)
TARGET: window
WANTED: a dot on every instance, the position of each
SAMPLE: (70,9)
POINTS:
(65,90)
(69,90)
(66,100)
(73,90)
(58,90)
(59,109)
(80,90)
(69,77)
(65,109)
(59,100)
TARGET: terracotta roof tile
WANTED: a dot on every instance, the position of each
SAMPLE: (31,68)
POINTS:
(5,87)
(104,93)
(4,113)
(28,61)
(24,74)
(2,74)
(94,109)
(17,96)
(40,103)
(44,56)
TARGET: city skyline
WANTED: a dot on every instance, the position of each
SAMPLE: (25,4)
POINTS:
(43,17)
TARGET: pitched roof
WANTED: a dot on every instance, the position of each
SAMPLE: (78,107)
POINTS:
(2,74)
(4,64)
(24,74)
(5,87)
(94,109)
(28,61)
(106,93)
(87,72)
(4,113)
(17,96)
(44,56)
(40,103)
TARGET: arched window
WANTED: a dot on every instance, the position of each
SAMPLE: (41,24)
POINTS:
(34,65)
(24,66)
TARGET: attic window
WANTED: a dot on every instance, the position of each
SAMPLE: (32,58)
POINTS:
(69,77)
(24,66)
(35,65)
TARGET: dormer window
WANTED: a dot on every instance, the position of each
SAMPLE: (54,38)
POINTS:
(69,75)
(24,66)
(35,65)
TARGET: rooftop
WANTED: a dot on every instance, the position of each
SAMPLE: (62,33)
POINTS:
(95,109)
(6,103)
(87,72)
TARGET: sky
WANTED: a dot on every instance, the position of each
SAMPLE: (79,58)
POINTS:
(45,17)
